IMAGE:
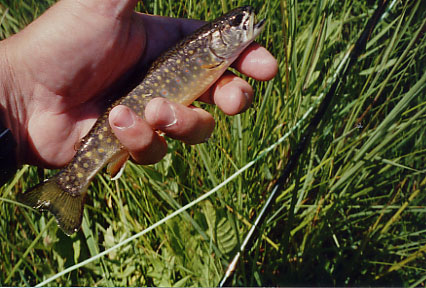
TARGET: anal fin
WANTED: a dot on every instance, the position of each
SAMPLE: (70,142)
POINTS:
(117,164)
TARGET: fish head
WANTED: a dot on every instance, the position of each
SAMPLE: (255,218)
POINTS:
(234,31)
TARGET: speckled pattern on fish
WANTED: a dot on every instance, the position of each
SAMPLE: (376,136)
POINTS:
(182,74)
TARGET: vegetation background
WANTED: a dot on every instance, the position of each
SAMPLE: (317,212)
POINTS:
(353,213)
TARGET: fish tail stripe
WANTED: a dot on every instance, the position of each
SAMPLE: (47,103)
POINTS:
(67,208)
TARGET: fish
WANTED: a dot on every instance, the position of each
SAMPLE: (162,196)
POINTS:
(181,74)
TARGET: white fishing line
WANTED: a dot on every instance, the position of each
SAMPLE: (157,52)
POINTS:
(189,205)
(208,194)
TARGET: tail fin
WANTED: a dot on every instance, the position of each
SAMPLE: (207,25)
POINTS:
(67,207)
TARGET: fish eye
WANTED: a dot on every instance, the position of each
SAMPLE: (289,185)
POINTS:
(236,20)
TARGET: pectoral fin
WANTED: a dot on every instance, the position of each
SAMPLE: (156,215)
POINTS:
(212,65)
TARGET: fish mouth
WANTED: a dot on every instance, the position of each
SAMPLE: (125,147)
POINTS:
(259,27)
(255,29)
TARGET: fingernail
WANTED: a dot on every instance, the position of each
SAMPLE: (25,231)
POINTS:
(124,119)
(166,115)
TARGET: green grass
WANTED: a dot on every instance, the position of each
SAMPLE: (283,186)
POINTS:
(359,190)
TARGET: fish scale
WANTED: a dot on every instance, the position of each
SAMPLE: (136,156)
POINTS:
(182,74)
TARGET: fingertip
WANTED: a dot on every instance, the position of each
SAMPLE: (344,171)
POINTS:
(257,62)
(232,94)
(232,101)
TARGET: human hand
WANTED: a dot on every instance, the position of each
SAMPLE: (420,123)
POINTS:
(56,72)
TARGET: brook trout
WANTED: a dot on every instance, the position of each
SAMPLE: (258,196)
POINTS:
(182,74)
